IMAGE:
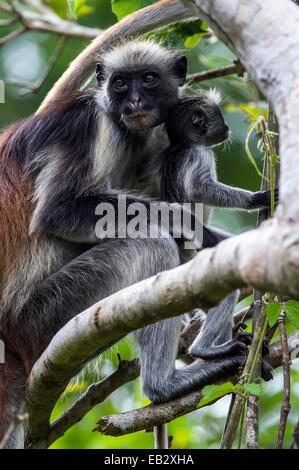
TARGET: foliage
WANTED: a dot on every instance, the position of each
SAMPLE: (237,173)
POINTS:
(71,8)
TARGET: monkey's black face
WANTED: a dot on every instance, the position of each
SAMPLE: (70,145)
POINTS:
(141,97)
(208,126)
(197,120)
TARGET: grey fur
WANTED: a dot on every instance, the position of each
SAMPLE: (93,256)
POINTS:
(188,174)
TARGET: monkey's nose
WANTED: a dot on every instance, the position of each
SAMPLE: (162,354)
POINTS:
(226,131)
(136,101)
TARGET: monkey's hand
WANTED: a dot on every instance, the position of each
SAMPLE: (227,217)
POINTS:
(263,199)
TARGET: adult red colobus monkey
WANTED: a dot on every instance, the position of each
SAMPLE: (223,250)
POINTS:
(56,167)
(50,164)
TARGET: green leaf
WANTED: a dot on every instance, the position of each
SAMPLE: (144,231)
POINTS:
(249,154)
(122,8)
(212,392)
(84,10)
(273,312)
(249,109)
(291,308)
(60,7)
(274,159)
(191,41)
(254,389)
(179,36)
(72,8)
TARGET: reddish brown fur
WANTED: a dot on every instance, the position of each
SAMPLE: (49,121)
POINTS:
(15,210)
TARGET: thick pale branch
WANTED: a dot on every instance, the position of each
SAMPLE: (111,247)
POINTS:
(152,415)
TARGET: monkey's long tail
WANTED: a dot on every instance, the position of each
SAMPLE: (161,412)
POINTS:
(12,389)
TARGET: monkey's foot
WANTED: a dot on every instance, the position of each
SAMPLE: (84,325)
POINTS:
(239,343)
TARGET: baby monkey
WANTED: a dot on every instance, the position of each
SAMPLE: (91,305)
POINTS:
(188,175)
(188,165)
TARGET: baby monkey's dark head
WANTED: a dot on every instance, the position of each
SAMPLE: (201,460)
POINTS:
(198,120)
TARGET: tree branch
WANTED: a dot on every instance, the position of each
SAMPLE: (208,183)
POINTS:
(34,87)
(95,394)
(286,405)
(15,34)
(236,68)
(48,21)
(6,8)
(9,22)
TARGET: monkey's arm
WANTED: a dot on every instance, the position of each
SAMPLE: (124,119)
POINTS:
(82,219)
(220,195)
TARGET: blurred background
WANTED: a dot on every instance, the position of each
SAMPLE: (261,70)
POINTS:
(25,59)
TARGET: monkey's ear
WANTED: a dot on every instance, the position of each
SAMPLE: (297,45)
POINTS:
(100,72)
(180,69)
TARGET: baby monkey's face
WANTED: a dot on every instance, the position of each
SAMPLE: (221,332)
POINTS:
(207,125)
(197,120)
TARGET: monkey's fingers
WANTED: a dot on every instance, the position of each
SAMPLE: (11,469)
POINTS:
(240,325)
(266,371)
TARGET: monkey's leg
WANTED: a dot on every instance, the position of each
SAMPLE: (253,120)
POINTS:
(161,381)
(215,339)
(97,273)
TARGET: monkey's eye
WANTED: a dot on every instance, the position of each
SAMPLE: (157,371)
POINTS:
(119,83)
(149,78)
(197,119)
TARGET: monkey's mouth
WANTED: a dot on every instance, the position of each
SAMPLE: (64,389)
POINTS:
(140,119)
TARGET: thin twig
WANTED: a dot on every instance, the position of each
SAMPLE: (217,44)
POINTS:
(252,417)
(252,422)
(6,8)
(286,405)
(235,68)
(9,22)
(46,20)
(243,314)
(15,34)
(34,87)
